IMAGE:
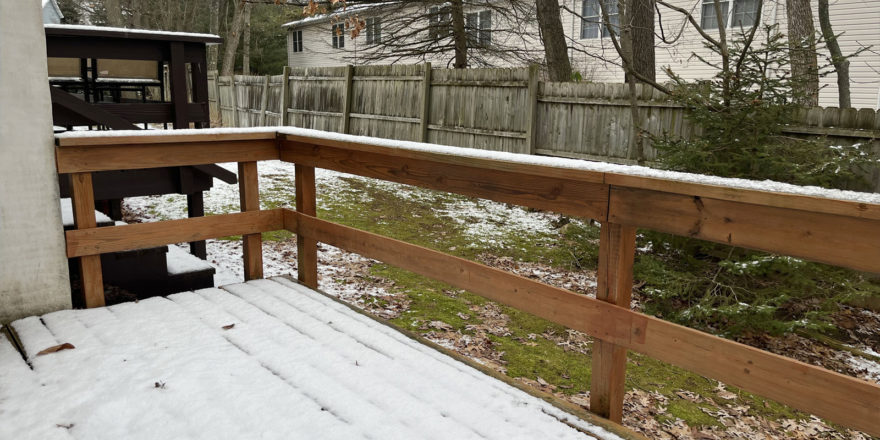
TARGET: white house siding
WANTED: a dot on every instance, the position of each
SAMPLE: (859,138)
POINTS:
(33,267)
(51,13)
(859,20)
(318,50)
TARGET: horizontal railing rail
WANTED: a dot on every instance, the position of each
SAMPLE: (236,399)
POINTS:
(838,232)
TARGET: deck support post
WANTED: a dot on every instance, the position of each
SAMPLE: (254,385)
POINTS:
(306,248)
(252,244)
(195,207)
(617,245)
(82,196)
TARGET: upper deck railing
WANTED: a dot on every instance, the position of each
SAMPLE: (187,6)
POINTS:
(834,231)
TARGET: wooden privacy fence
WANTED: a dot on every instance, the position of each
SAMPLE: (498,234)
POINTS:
(831,231)
(492,109)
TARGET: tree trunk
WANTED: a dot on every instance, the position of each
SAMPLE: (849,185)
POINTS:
(553,37)
(802,51)
(246,50)
(459,34)
(214,28)
(114,12)
(641,14)
(841,64)
(625,32)
(232,38)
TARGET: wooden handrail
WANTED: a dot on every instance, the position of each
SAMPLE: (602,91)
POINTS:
(95,241)
(832,231)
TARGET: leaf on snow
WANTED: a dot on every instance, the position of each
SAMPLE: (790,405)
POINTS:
(228,326)
(59,347)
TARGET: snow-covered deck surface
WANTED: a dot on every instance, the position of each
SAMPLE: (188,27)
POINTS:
(296,364)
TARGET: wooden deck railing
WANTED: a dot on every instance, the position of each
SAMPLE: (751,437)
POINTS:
(830,231)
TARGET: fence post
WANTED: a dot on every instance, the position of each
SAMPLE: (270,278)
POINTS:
(285,95)
(252,244)
(346,100)
(306,248)
(264,102)
(234,101)
(532,109)
(617,244)
(219,105)
(426,102)
(82,199)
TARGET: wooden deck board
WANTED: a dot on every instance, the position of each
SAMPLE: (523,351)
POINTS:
(268,357)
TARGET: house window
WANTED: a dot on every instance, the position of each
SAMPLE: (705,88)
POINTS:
(374,30)
(592,21)
(297,41)
(440,19)
(338,32)
(744,13)
(479,28)
(741,16)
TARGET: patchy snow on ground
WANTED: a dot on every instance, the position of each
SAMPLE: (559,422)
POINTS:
(265,359)
(484,222)
(487,221)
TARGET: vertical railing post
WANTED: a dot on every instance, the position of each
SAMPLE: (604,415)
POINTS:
(426,103)
(617,245)
(306,248)
(83,202)
(346,99)
(252,244)
(179,93)
(285,95)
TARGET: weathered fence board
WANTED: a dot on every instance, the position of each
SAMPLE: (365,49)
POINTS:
(491,109)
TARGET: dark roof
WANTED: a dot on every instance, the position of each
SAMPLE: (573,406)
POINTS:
(134,34)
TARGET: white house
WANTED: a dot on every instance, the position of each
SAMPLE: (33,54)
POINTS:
(314,42)
(499,39)
(857,20)
(51,12)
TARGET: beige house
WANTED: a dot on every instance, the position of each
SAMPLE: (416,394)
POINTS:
(313,42)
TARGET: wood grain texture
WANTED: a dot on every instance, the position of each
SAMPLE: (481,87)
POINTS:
(306,246)
(87,158)
(841,399)
(82,196)
(826,238)
(766,198)
(252,244)
(575,311)
(525,185)
(99,139)
(145,235)
(617,246)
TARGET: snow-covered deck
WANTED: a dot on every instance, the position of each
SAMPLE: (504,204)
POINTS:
(264,359)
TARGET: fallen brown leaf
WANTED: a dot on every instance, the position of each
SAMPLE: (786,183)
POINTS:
(228,326)
(59,347)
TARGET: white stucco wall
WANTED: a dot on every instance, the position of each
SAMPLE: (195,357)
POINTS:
(33,267)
